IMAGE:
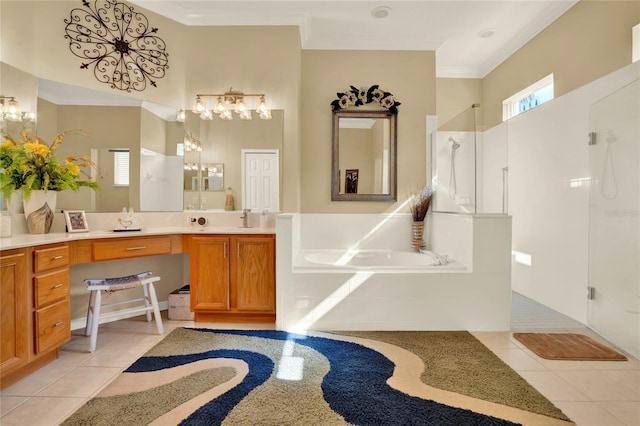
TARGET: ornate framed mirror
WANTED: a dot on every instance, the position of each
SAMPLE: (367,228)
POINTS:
(364,156)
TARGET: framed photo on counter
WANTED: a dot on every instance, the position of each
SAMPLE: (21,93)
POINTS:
(76,221)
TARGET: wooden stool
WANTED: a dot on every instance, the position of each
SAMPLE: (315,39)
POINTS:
(144,280)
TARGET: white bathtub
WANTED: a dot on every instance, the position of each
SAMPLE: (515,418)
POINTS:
(386,286)
(374,260)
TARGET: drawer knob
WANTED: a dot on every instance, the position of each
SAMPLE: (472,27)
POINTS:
(58,324)
(58,285)
(136,248)
(57,257)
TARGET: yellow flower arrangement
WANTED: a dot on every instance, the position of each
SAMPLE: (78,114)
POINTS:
(29,164)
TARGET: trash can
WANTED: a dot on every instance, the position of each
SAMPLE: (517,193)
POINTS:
(180,304)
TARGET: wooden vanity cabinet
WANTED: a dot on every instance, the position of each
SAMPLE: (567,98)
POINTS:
(210,287)
(14,308)
(253,273)
(51,297)
(35,308)
(232,277)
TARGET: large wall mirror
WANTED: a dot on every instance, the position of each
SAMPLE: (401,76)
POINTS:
(219,164)
(364,156)
(150,135)
(117,130)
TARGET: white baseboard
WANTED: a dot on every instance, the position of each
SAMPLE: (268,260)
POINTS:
(81,323)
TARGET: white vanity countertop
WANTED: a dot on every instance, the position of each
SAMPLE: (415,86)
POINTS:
(28,240)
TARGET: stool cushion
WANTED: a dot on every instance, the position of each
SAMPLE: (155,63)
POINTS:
(119,283)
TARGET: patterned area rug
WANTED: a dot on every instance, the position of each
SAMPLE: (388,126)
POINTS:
(266,377)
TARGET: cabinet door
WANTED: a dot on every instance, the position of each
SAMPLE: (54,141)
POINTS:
(14,327)
(254,274)
(209,265)
(53,326)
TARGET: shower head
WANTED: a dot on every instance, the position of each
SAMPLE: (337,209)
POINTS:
(454,144)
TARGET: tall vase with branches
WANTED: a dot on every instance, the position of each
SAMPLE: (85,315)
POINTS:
(419,205)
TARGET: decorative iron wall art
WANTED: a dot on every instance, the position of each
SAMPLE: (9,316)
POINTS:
(118,43)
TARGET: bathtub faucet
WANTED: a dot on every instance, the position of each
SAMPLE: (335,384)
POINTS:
(245,218)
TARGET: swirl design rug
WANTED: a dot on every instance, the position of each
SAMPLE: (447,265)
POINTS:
(267,377)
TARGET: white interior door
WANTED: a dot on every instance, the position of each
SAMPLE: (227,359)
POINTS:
(261,180)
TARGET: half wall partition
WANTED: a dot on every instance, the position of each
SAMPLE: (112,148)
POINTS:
(467,176)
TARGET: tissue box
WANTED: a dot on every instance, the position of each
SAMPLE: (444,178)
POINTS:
(180,305)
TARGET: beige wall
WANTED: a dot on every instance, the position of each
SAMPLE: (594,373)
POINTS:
(409,76)
(356,152)
(589,41)
(106,127)
(455,95)
(32,34)
(253,60)
(153,132)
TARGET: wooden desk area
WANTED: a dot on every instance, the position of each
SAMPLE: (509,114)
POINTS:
(35,288)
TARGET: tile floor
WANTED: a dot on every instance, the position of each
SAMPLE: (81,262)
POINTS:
(591,393)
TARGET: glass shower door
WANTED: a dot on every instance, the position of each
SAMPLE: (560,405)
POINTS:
(614,218)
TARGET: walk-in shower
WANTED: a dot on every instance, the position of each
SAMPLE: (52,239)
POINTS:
(468,175)
(453,164)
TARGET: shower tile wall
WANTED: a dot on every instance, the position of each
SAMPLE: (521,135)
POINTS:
(548,198)
(455,188)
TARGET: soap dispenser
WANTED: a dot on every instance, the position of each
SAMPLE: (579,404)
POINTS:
(264,219)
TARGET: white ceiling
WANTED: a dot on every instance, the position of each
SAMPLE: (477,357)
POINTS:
(66,94)
(450,27)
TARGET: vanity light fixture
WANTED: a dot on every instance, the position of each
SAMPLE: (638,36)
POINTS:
(28,116)
(228,102)
(10,110)
(180,117)
(191,143)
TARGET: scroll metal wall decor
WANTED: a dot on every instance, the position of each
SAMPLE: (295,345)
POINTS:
(118,42)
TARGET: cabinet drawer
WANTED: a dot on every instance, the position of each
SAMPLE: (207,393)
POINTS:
(50,258)
(51,287)
(135,247)
(53,326)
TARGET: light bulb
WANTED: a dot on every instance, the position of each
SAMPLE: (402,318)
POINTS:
(180,116)
(29,116)
(240,106)
(245,115)
(12,111)
(266,115)
(198,106)
(219,108)
(226,115)
(207,115)
(262,106)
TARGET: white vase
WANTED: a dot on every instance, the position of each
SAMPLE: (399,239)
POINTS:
(39,208)
(14,203)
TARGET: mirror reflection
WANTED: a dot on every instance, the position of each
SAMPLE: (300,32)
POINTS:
(364,149)
(150,136)
(218,169)
(203,176)
(132,143)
